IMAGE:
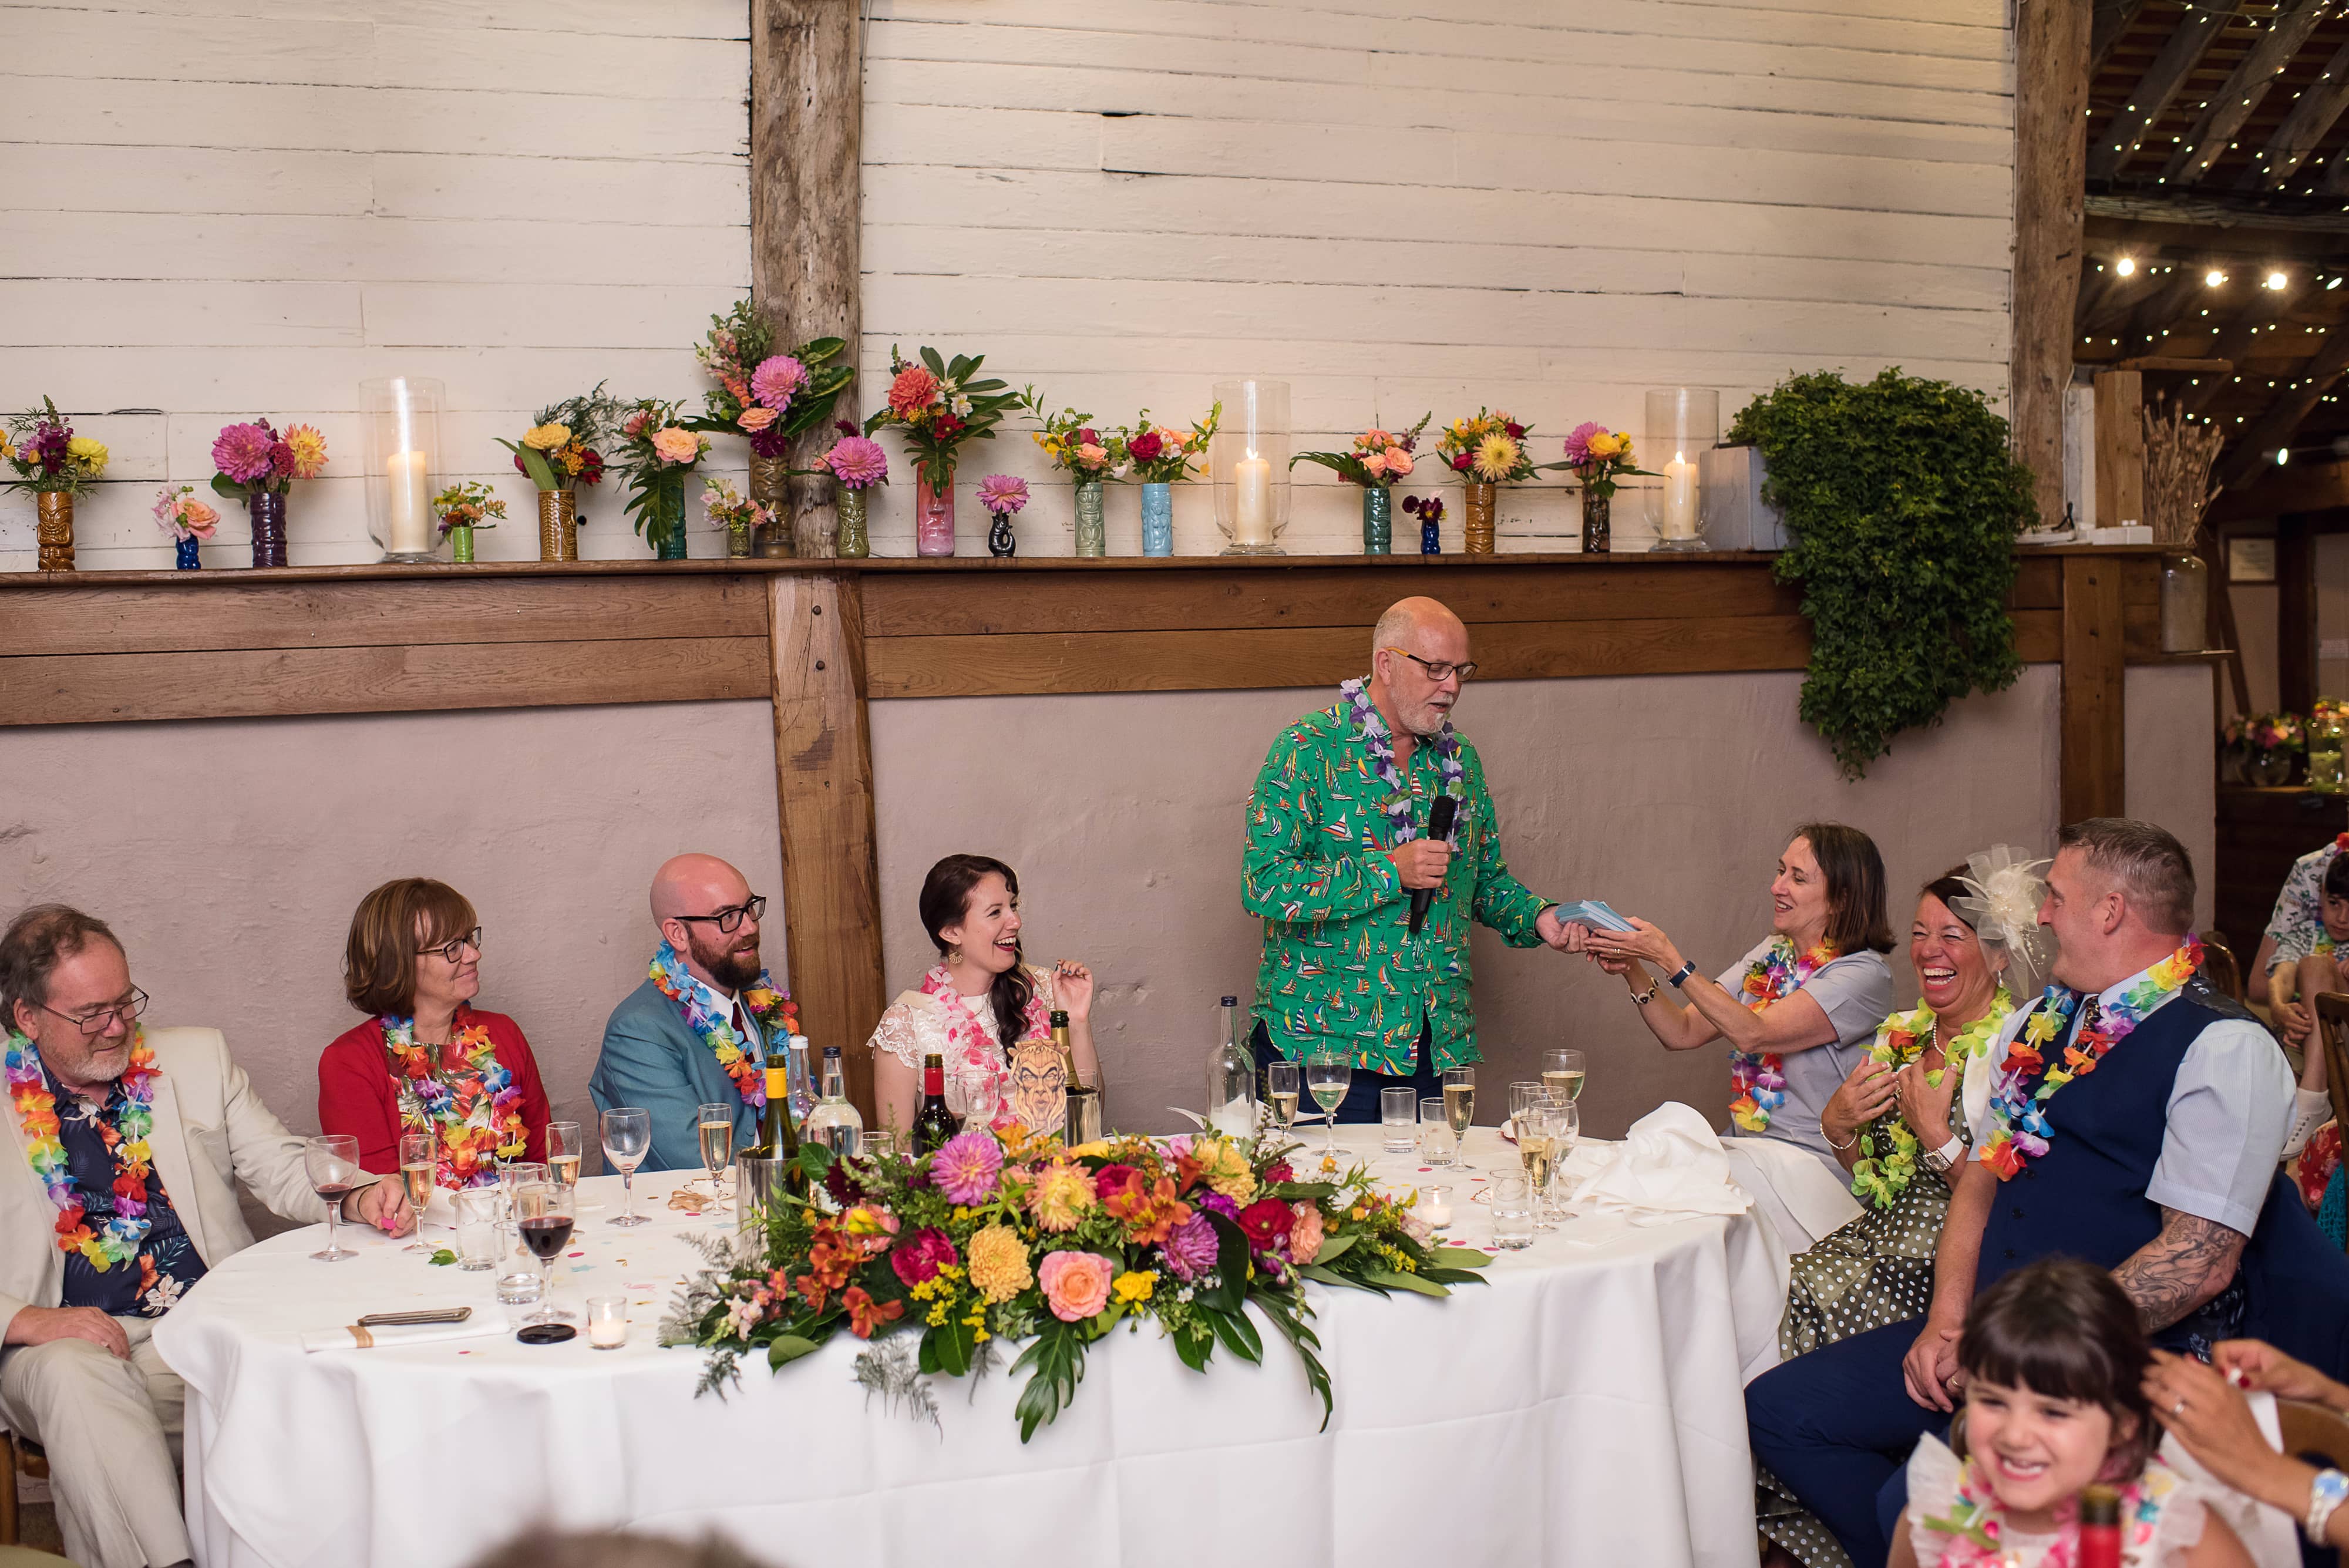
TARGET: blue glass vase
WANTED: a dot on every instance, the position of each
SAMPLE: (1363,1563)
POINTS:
(1431,538)
(188,560)
(1158,519)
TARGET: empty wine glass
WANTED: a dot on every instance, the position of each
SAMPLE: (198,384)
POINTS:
(1281,1084)
(1328,1073)
(628,1138)
(543,1212)
(333,1165)
(416,1168)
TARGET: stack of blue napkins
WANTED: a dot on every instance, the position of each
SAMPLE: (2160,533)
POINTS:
(1595,914)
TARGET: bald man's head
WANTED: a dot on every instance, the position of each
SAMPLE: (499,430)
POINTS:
(685,890)
(1401,688)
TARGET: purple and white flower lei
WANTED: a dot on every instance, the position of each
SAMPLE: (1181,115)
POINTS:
(1379,744)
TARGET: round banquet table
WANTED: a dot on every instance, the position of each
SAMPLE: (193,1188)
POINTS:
(1584,1408)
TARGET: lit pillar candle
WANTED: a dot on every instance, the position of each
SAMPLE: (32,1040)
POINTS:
(1679,498)
(1252,522)
(410,521)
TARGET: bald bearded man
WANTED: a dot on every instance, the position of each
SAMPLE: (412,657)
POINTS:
(1338,842)
(697,1031)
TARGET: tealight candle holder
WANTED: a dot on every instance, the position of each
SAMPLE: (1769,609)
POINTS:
(607,1322)
(1683,424)
(401,416)
(1247,461)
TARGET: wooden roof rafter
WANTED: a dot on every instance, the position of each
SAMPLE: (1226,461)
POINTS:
(2312,120)
(2153,94)
(2228,109)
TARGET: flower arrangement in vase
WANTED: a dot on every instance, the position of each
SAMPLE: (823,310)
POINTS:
(2266,743)
(186,520)
(1376,461)
(1486,450)
(1600,459)
(1428,510)
(857,464)
(657,453)
(1089,457)
(769,396)
(559,454)
(1160,459)
(462,508)
(1003,495)
(936,405)
(257,466)
(55,465)
(1001,1236)
(736,512)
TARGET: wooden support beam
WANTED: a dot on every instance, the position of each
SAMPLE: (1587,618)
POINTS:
(2051,97)
(2293,400)
(2273,491)
(2093,770)
(2112,18)
(807,101)
(2295,613)
(2217,210)
(2215,127)
(2197,30)
(2120,447)
(823,793)
(2177,362)
(2310,120)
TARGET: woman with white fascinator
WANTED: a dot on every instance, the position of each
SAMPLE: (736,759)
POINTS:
(1898,1126)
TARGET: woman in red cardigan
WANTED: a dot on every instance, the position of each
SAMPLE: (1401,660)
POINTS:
(426,1059)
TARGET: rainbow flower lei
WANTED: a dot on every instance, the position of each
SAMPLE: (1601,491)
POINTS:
(1973,1531)
(1882,1173)
(2027,1081)
(1759,1078)
(477,1113)
(37,1114)
(1379,744)
(769,1004)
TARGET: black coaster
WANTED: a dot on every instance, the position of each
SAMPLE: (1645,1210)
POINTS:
(546,1333)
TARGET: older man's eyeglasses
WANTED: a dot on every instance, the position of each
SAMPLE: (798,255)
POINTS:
(1439,669)
(453,950)
(729,920)
(96,1020)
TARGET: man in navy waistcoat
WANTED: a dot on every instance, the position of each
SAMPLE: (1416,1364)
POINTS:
(2154,1160)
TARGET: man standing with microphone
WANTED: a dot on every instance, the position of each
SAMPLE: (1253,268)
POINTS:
(1359,812)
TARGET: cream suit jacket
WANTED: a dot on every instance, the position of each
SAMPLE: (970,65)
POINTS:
(211,1132)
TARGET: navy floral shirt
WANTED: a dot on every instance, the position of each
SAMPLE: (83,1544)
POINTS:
(167,1264)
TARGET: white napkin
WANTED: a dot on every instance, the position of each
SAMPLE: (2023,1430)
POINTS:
(353,1337)
(1669,1166)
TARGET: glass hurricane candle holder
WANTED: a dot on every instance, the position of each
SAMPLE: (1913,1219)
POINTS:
(400,417)
(1249,462)
(1683,424)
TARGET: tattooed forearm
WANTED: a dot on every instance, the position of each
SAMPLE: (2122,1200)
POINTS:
(2189,1263)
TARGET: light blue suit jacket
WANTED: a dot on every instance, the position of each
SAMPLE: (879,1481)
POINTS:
(651,1058)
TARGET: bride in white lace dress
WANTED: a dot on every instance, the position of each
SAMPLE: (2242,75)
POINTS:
(980,1004)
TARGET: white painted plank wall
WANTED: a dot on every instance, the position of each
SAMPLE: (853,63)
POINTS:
(1398,210)
(247,207)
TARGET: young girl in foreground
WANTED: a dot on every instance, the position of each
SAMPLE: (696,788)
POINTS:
(2054,1360)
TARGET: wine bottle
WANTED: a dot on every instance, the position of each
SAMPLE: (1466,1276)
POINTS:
(1231,1078)
(779,1136)
(1066,1052)
(834,1122)
(933,1123)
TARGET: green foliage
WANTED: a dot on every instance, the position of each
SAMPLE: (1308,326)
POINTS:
(441,1257)
(1904,502)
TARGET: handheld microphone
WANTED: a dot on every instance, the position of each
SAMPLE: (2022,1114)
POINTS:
(1439,825)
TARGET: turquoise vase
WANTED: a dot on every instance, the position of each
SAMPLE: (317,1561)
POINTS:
(1158,519)
(1093,530)
(1378,519)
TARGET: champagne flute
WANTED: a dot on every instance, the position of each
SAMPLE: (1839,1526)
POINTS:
(1460,1106)
(543,1212)
(1538,1129)
(628,1139)
(416,1168)
(564,1149)
(1329,1074)
(1562,1071)
(1281,1083)
(332,1163)
(715,1123)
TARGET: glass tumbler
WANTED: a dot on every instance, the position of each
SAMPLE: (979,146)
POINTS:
(1513,1211)
(1399,1116)
(1437,1146)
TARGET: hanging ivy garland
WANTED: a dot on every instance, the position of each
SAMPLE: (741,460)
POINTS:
(1904,502)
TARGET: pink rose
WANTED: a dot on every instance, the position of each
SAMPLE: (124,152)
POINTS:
(1374,463)
(1076,1285)
(756,420)
(675,445)
(1305,1235)
(1397,461)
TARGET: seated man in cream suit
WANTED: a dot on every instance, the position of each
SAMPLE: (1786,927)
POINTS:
(99,1108)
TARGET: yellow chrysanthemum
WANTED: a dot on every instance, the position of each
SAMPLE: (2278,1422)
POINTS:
(1063,1195)
(1224,1167)
(87,453)
(546,438)
(999,1263)
(1497,457)
(309,449)
(1133,1285)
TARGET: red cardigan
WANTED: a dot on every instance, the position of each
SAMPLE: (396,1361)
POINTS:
(356,1095)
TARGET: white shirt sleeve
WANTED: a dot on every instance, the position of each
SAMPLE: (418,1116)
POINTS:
(2230,1109)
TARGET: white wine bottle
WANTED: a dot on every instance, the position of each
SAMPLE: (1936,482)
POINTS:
(834,1122)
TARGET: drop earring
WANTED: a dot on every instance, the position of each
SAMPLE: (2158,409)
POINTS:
(954,957)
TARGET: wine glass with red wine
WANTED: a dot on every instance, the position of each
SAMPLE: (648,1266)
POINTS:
(542,1214)
(333,1162)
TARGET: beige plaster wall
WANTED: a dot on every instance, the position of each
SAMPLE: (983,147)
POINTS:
(2172,778)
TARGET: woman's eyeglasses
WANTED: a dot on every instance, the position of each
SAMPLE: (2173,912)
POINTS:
(454,948)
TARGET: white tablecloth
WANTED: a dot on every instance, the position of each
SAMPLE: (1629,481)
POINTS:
(1584,1408)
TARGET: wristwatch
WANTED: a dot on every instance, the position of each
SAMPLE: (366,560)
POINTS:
(2328,1491)
(1681,974)
(1940,1160)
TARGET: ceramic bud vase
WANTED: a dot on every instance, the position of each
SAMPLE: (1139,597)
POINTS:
(1001,541)
(1158,519)
(1092,526)
(558,524)
(55,530)
(854,543)
(933,515)
(267,510)
(1476,519)
(1598,511)
(1378,519)
(187,559)
(771,488)
(461,544)
(1431,538)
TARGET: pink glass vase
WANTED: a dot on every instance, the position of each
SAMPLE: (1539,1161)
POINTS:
(933,515)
